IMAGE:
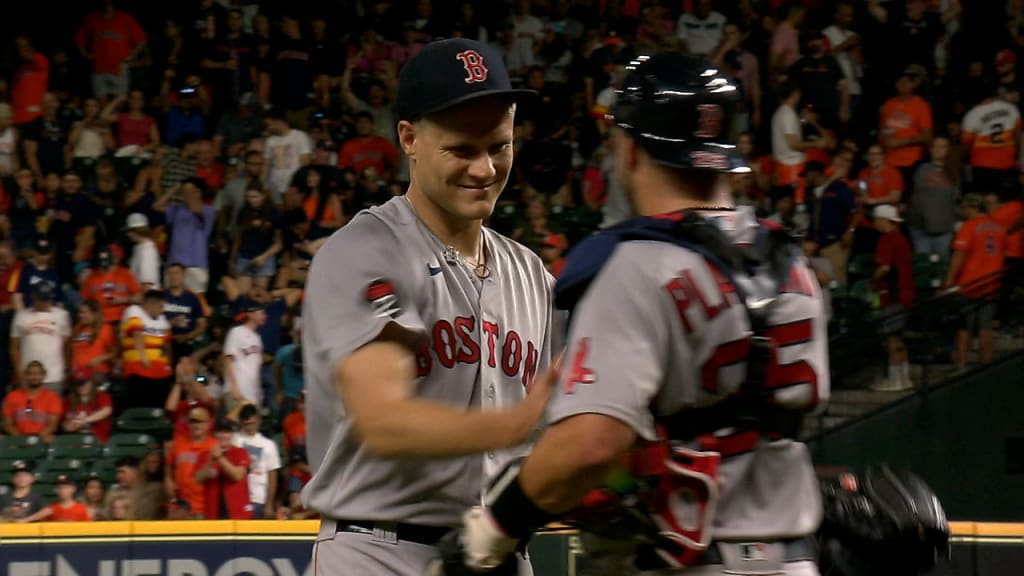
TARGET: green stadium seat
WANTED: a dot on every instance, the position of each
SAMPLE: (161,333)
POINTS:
(128,444)
(861,266)
(74,467)
(929,270)
(45,490)
(82,446)
(22,448)
(861,291)
(105,470)
(268,422)
(150,420)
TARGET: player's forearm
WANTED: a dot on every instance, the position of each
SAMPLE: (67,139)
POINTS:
(571,459)
(416,427)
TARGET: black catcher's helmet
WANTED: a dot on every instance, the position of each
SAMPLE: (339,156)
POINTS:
(679,109)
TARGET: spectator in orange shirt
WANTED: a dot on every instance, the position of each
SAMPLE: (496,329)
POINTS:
(111,284)
(32,410)
(978,254)
(368,149)
(905,125)
(65,509)
(877,184)
(991,137)
(182,458)
(87,409)
(93,343)
(551,250)
(111,39)
(294,424)
(1010,215)
(30,82)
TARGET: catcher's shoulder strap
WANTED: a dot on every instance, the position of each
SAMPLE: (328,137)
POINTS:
(772,253)
(769,258)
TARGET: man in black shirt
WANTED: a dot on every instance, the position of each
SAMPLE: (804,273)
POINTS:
(20,502)
(821,81)
(229,64)
(912,34)
(286,81)
(46,139)
(73,228)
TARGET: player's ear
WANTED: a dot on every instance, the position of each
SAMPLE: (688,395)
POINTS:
(407,137)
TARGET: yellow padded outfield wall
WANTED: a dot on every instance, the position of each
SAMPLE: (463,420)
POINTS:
(283,548)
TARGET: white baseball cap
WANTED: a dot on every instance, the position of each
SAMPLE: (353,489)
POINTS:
(887,212)
(136,220)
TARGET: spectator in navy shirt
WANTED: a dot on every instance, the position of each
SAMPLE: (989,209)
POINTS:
(257,242)
(185,310)
(833,207)
(73,228)
(187,114)
(36,271)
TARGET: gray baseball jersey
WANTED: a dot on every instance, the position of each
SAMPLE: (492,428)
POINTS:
(485,340)
(660,330)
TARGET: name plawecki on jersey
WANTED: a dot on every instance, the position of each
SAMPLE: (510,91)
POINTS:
(478,344)
(661,331)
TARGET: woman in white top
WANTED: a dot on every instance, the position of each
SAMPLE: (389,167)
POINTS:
(90,137)
(8,141)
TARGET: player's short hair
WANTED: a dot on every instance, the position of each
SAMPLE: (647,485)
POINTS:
(153,296)
(35,364)
(248,411)
(127,462)
(786,88)
(175,265)
(364,114)
(276,113)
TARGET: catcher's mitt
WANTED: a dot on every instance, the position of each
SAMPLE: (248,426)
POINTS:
(884,522)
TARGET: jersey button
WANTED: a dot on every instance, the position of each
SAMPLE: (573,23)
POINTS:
(490,391)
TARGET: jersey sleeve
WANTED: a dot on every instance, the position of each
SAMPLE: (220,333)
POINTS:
(617,347)
(17,330)
(962,241)
(273,457)
(925,114)
(131,323)
(240,457)
(231,343)
(9,407)
(360,281)
(970,127)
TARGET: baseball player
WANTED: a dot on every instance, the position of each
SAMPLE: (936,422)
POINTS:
(422,331)
(697,343)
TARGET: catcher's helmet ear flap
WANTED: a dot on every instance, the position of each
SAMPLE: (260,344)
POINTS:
(679,108)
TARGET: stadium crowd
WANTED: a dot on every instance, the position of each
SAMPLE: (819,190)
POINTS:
(164,187)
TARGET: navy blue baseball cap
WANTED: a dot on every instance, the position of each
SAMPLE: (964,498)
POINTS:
(449,72)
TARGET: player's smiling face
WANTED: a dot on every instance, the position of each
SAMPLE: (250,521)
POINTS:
(461,158)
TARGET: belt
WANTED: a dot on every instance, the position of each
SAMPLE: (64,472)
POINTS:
(797,550)
(426,535)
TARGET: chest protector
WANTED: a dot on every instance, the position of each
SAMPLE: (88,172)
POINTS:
(642,498)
